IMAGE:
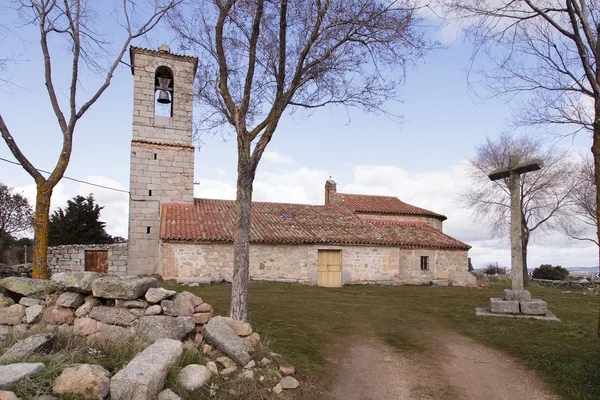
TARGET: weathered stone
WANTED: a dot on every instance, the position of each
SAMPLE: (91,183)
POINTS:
(119,287)
(153,310)
(154,327)
(58,315)
(156,295)
(21,331)
(218,333)
(228,371)
(287,369)
(112,315)
(534,307)
(247,374)
(251,364)
(193,377)
(87,306)
(138,312)
(28,302)
(28,287)
(251,342)
(500,306)
(168,394)
(11,374)
(34,344)
(143,378)
(85,326)
(65,330)
(226,362)
(5,332)
(5,301)
(179,306)
(207,348)
(212,367)
(440,282)
(4,395)
(265,362)
(70,300)
(44,397)
(87,381)
(33,313)
(135,304)
(277,389)
(203,308)
(198,339)
(12,315)
(241,328)
(77,281)
(516,295)
(192,298)
(110,333)
(289,383)
(201,318)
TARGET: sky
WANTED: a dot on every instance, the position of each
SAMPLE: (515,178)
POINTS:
(422,159)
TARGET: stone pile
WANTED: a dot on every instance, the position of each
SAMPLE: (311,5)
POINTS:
(105,308)
(519,304)
(15,270)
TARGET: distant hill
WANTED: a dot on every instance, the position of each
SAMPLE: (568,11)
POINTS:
(582,271)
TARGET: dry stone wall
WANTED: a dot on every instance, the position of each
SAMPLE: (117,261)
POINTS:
(72,257)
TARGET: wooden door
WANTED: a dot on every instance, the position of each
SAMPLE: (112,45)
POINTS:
(330,268)
(96,260)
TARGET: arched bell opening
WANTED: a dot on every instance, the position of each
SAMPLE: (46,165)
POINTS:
(163,92)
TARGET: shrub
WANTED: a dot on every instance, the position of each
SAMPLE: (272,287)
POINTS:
(547,271)
(494,269)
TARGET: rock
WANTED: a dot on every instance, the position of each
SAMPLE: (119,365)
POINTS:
(5,332)
(192,298)
(516,295)
(87,381)
(228,371)
(110,333)
(265,362)
(77,281)
(12,315)
(154,327)
(112,315)
(203,308)
(287,369)
(143,378)
(58,315)
(277,389)
(36,288)
(138,312)
(500,306)
(179,306)
(156,295)
(21,331)
(212,367)
(241,328)
(11,374)
(65,330)
(44,397)
(87,306)
(135,304)
(207,348)
(289,383)
(247,374)
(534,307)
(4,395)
(122,287)
(153,310)
(251,364)
(28,302)
(85,326)
(70,300)
(193,377)
(195,284)
(251,342)
(201,318)
(34,344)
(168,394)
(33,313)
(218,333)
(226,362)
(198,339)
(5,301)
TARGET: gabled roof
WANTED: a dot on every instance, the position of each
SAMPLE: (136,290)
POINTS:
(358,203)
(209,220)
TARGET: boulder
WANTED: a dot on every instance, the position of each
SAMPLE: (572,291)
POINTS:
(5,301)
(156,295)
(219,334)
(28,302)
(70,300)
(58,315)
(153,310)
(11,374)
(89,303)
(4,395)
(154,327)
(85,326)
(65,330)
(110,333)
(193,377)
(241,328)
(28,287)
(203,308)
(112,315)
(33,313)
(192,298)
(87,381)
(21,331)
(12,315)
(77,281)
(5,332)
(289,383)
(122,287)
(168,394)
(251,342)
(201,318)
(179,306)
(143,378)
(34,344)
(134,304)
(138,312)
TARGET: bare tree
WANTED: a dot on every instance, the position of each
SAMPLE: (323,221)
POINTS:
(73,22)
(261,58)
(582,222)
(545,194)
(16,214)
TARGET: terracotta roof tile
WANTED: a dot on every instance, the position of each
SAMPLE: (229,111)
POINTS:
(210,220)
(382,205)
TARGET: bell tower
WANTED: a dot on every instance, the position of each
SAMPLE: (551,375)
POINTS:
(162,154)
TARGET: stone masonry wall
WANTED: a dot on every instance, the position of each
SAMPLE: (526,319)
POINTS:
(72,257)
(435,223)
(298,263)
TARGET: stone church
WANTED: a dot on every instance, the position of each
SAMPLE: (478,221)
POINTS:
(350,239)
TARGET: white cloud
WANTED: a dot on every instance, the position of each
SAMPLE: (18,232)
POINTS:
(276,158)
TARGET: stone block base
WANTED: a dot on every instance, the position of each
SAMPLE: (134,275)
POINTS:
(518,295)
(500,306)
(534,307)
(486,312)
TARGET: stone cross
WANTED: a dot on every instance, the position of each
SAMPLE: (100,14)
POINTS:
(513,171)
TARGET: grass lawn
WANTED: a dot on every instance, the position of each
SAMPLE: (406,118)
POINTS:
(304,324)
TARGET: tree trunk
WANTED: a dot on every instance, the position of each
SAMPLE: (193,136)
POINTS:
(596,154)
(40,229)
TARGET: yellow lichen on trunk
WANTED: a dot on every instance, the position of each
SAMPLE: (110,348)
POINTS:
(40,228)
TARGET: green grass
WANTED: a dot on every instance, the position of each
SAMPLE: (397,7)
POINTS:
(304,324)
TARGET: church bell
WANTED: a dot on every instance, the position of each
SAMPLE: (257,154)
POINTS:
(163,97)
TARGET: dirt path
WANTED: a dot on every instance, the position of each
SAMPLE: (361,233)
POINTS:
(458,369)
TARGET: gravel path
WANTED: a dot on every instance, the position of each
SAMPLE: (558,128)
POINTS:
(458,368)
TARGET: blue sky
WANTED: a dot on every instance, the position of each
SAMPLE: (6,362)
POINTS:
(420,160)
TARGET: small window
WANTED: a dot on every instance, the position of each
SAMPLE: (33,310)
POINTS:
(147,229)
(424,263)
(155,156)
(149,192)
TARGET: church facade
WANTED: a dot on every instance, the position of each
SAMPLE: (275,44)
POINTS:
(350,239)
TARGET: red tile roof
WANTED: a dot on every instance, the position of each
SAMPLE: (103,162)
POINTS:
(382,205)
(210,220)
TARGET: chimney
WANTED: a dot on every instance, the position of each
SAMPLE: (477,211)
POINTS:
(330,191)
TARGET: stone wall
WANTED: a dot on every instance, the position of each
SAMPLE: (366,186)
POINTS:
(72,257)
(298,263)
(435,223)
